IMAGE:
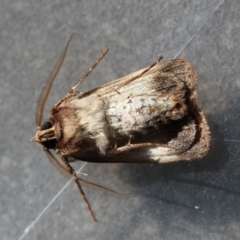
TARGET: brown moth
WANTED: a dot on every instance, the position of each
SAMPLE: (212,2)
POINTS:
(149,116)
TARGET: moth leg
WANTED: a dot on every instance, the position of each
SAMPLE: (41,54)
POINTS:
(115,145)
(67,152)
(129,140)
(116,149)
(115,142)
(64,166)
(76,180)
(73,90)
(128,147)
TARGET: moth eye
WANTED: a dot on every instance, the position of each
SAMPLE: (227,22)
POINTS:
(50,144)
(45,125)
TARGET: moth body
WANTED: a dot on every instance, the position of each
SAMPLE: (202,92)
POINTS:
(119,114)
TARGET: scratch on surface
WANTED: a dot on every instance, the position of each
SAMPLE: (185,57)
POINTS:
(227,140)
(199,29)
(34,222)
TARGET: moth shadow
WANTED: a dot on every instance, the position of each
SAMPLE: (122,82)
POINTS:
(144,175)
(183,185)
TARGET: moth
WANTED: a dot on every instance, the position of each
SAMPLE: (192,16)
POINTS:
(149,116)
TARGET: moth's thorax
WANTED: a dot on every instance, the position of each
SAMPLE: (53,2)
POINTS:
(80,124)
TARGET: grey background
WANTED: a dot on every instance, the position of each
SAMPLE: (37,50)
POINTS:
(194,200)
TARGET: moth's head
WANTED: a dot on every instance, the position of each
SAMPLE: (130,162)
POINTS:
(46,136)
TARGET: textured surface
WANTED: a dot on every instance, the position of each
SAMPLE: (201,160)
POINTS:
(197,200)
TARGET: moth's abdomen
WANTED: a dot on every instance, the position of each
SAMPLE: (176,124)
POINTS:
(137,113)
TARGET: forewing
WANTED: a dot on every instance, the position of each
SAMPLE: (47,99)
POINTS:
(178,69)
(187,138)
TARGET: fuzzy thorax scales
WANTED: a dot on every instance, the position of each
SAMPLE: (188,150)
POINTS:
(81,125)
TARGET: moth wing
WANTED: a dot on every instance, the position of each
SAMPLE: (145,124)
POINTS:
(179,68)
(185,139)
